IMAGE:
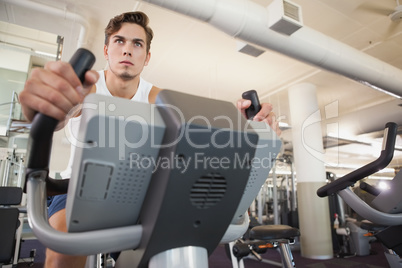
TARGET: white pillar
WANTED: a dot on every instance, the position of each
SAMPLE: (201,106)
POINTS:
(315,239)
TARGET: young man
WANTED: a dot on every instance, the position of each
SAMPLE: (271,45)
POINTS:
(55,90)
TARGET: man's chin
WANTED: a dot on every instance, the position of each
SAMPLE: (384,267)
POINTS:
(126,76)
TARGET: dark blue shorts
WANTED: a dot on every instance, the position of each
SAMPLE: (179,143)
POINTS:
(56,203)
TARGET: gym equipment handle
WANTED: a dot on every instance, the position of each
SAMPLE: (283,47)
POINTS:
(369,188)
(43,126)
(381,162)
(255,103)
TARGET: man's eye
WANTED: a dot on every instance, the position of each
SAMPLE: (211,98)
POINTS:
(138,44)
(119,41)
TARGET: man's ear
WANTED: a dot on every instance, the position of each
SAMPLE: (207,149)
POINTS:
(105,51)
(147,58)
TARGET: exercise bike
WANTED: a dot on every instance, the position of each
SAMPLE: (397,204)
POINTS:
(175,178)
(385,209)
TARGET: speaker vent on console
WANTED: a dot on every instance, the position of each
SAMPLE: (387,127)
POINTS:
(208,190)
(127,187)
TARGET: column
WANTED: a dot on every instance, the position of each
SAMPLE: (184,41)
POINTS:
(314,221)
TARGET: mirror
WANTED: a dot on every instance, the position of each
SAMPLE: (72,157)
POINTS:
(21,49)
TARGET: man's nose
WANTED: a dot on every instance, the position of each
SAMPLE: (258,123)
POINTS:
(128,49)
(127,53)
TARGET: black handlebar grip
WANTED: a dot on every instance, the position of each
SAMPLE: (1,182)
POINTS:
(369,188)
(82,61)
(255,103)
(387,153)
(43,126)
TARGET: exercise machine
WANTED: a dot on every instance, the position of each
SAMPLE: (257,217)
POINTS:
(259,238)
(262,238)
(386,207)
(10,198)
(175,178)
(349,236)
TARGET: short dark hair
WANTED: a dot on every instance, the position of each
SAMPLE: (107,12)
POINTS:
(136,17)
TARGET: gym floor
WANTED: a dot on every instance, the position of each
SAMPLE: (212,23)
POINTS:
(376,259)
(219,259)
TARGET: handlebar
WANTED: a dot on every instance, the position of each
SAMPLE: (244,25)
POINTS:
(43,126)
(255,106)
(367,212)
(385,158)
(370,189)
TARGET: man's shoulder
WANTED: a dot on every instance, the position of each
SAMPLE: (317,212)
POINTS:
(153,93)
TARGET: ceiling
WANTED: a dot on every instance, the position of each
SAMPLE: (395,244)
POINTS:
(191,56)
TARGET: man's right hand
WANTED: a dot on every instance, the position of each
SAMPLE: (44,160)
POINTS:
(54,90)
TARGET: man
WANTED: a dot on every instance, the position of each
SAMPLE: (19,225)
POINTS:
(55,90)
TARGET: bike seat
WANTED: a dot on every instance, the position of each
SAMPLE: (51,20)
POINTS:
(270,232)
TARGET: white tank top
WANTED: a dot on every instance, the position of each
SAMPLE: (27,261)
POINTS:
(141,95)
(73,124)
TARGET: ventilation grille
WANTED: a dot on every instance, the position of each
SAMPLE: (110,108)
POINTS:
(291,11)
(130,180)
(208,190)
(284,17)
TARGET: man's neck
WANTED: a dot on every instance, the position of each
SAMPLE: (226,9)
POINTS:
(119,87)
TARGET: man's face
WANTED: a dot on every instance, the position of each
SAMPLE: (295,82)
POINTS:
(126,52)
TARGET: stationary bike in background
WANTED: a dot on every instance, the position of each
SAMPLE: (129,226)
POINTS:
(260,238)
(385,209)
(349,236)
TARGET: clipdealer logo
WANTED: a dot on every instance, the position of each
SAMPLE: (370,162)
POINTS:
(200,161)
(112,130)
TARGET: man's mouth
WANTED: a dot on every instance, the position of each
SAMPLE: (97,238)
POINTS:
(126,62)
